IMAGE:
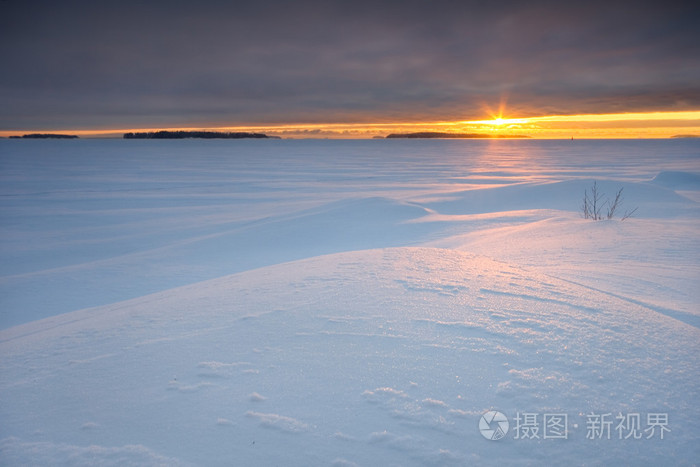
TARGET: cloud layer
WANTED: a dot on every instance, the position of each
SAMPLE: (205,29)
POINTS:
(77,64)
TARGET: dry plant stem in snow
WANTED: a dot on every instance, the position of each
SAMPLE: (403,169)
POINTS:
(594,202)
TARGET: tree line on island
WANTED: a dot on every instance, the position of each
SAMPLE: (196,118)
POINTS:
(45,136)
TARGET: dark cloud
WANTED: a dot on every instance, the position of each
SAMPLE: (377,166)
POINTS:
(152,63)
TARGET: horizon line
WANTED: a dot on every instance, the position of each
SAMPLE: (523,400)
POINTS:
(589,126)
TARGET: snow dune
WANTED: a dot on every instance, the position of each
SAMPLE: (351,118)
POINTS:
(658,201)
(374,356)
(344,303)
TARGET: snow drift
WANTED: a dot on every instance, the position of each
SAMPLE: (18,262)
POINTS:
(347,303)
(375,356)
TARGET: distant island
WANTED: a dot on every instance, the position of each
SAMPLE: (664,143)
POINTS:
(434,134)
(45,136)
(194,134)
(685,136)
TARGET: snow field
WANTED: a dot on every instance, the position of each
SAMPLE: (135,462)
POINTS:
(378,307)
(399,374)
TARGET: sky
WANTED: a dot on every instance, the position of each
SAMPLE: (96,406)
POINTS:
(319,67)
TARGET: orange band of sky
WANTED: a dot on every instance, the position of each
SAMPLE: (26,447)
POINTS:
(620,125)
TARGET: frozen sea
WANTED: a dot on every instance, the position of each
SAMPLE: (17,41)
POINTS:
(339,302)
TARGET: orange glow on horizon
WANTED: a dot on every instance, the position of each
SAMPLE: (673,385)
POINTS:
(593,126)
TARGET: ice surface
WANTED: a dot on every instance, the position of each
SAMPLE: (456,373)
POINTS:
(362,303)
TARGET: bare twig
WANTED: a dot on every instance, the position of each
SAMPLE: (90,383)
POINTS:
(593,205)
(595,202)
(628,214)
(612,207)
(586,210)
